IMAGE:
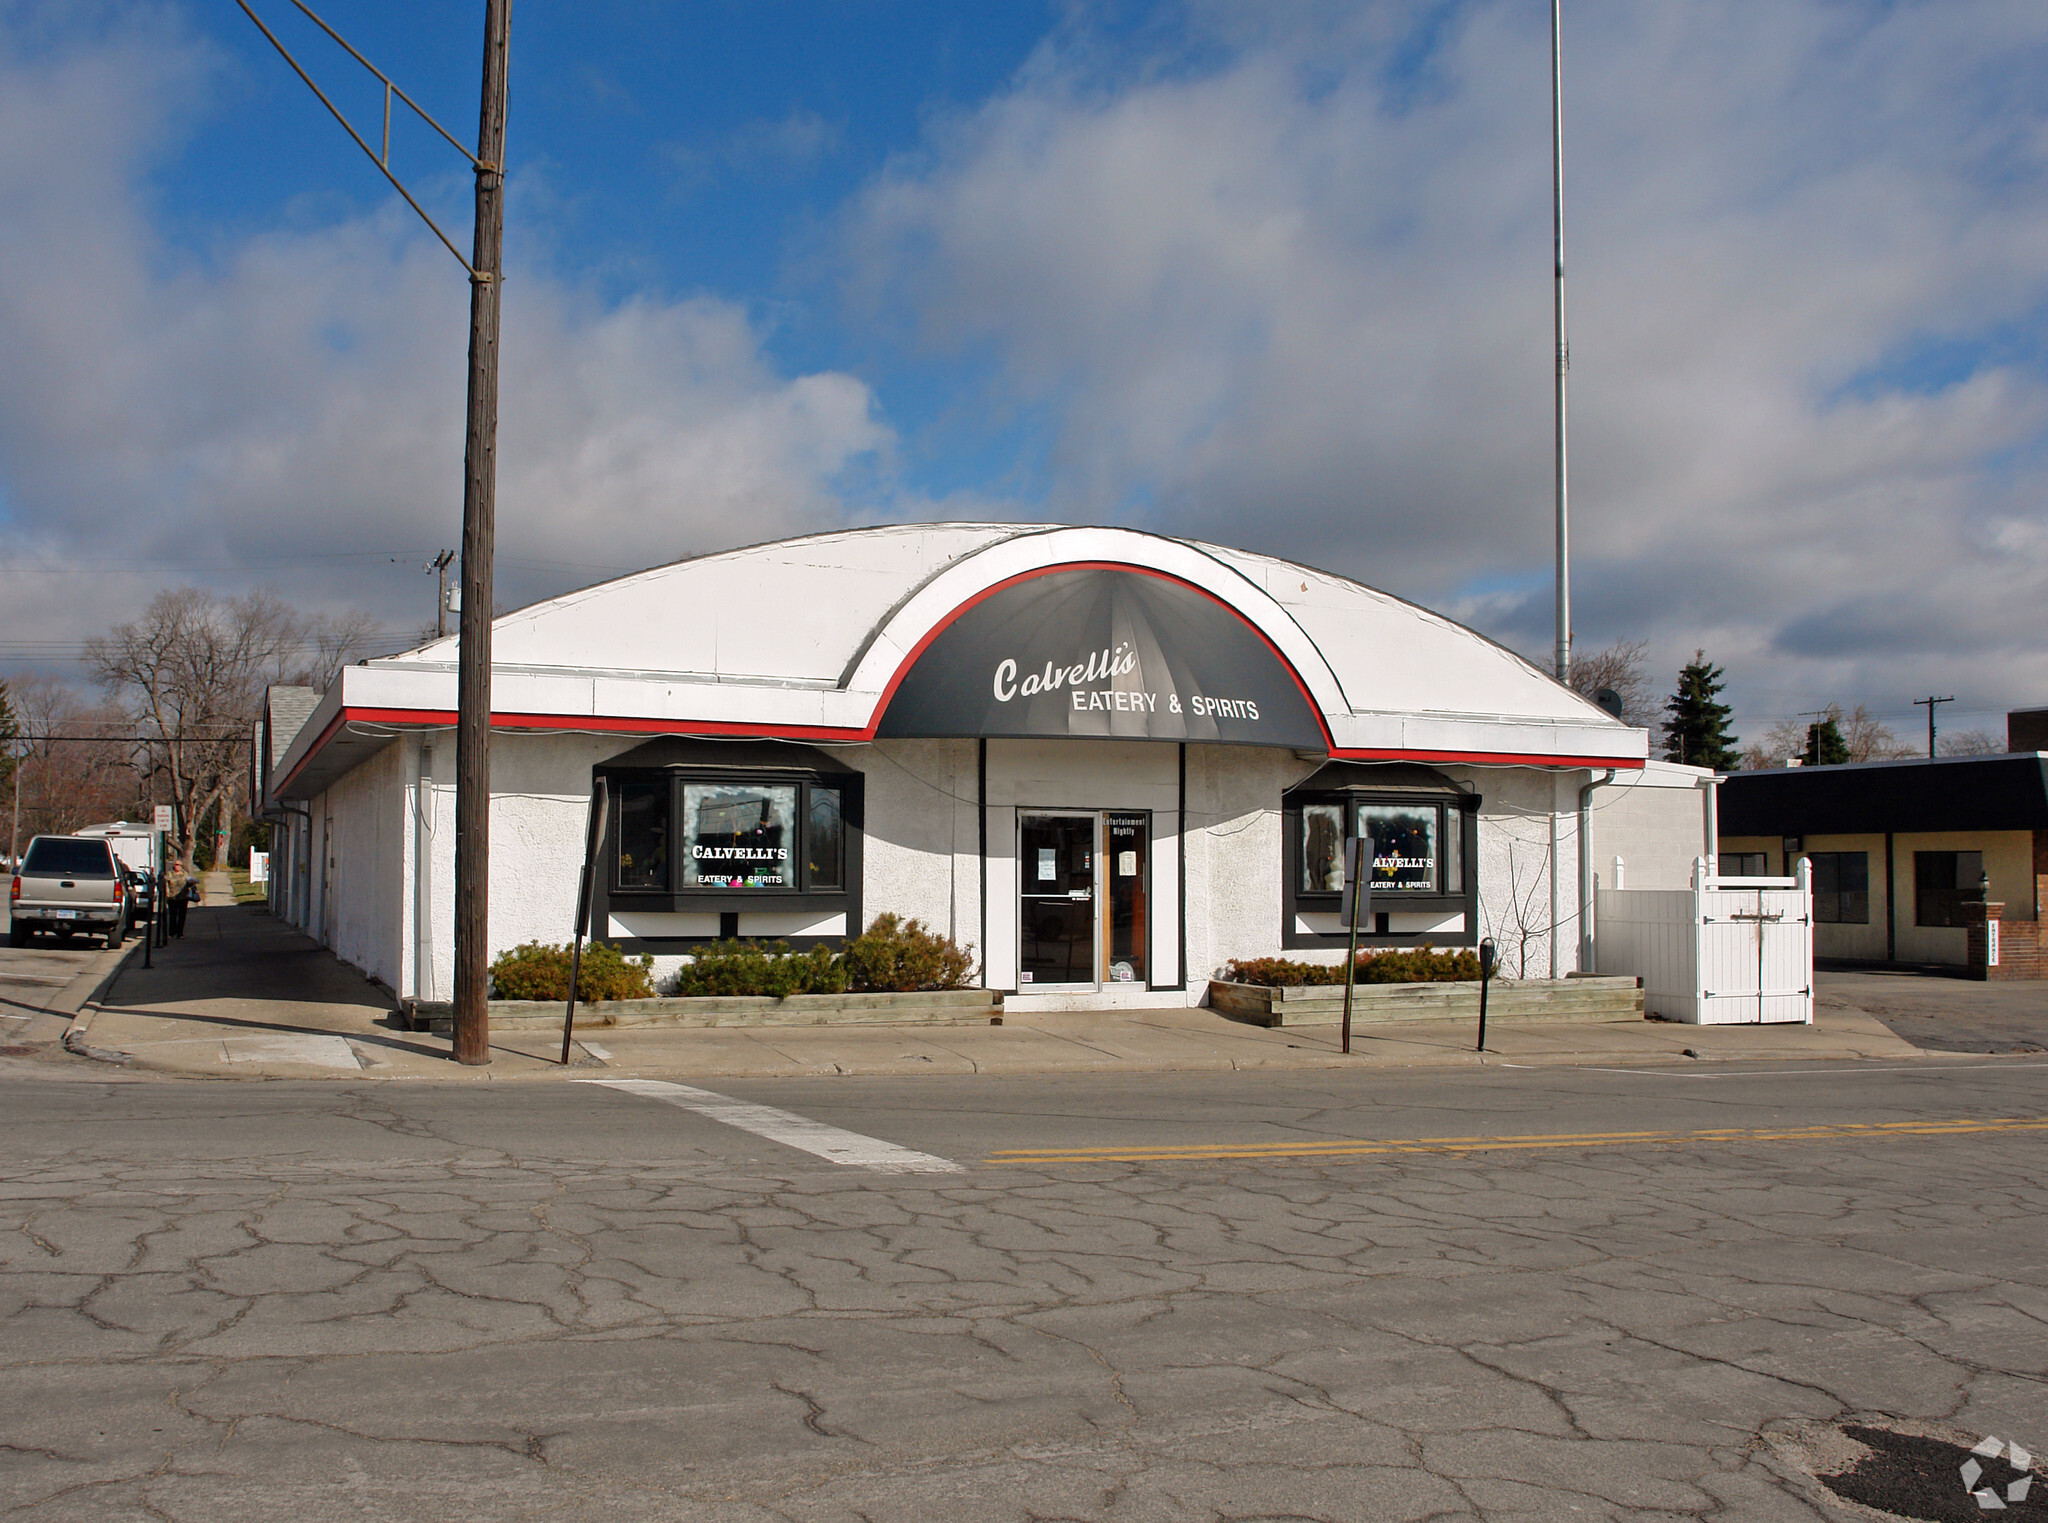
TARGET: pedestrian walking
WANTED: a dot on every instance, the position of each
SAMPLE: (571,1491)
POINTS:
(184,890)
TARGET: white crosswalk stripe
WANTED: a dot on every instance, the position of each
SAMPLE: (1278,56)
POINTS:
(832,1143)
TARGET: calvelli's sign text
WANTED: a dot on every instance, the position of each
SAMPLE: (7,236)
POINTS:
(1104,653)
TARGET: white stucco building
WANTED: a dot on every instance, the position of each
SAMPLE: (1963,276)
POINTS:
(1109,761)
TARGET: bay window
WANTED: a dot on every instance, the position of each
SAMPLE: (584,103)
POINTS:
(1422,865)
(702,847)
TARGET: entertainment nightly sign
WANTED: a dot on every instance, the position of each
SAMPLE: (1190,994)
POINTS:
(1105,654)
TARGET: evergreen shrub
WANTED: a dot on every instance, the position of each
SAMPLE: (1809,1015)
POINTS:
(1392,965)
(897,956)
(533,971)
(733,969)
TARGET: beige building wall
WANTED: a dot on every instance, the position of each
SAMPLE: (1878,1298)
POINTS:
(2008,861)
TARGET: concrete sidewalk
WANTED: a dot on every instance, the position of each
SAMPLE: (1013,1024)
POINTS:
(244,997)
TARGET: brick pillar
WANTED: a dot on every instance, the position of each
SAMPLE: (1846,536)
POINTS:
(1984,924)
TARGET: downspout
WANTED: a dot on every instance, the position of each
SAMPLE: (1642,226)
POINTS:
(422,877)
(1586,868)
(292,895)
(1712,785)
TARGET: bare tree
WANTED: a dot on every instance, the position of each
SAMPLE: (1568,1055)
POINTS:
(1525,919)
(75,766)
(1622,667)
(193,671)
(1970,743)
(330,644)
(1867,737)
(1783,743)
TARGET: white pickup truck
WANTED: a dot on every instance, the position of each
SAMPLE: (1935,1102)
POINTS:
(68,885)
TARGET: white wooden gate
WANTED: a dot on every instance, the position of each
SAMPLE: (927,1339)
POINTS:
(1727,951)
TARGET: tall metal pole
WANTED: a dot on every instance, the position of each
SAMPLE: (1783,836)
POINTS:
(1564,564)
(479,512)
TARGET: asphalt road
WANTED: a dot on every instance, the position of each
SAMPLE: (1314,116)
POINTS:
(1505,1294)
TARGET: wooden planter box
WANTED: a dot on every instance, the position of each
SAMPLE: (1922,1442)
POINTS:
(1511,999)
(938,1008)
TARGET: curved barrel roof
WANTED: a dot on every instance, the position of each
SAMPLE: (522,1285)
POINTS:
(806,638)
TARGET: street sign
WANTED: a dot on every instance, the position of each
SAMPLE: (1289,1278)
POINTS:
(1358,852)
(163,817)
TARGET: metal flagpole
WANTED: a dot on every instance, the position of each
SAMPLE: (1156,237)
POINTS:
(1564,565)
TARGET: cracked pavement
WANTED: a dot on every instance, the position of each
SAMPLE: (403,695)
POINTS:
(360,1301)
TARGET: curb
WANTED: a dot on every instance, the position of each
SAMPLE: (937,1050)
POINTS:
(82,1014)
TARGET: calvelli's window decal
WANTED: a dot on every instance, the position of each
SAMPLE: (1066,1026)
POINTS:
(1404,846)
(1103,652)
(739,835)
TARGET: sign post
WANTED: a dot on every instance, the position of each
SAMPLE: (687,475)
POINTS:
(1357,903)
(164,821)
(600,807)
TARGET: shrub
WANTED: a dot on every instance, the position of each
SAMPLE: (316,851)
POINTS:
(893,955)
(1393,965)
(730,968)
(533,971)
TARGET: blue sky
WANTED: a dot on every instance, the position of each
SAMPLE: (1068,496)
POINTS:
(1275,274)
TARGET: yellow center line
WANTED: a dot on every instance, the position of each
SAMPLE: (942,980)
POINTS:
(1813,1132)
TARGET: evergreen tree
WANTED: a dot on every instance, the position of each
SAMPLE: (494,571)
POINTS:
(1697,731)
(1824,744)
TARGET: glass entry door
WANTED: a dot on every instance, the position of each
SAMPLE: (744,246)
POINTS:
(1057,912)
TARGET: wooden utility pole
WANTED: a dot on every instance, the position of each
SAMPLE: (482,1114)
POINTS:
(439,565)
(479,529)
(1931,704)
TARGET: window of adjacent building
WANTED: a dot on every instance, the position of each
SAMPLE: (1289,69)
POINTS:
(1744,864)
(727,835)
(1418,848)
(1841,887)
(1943,882)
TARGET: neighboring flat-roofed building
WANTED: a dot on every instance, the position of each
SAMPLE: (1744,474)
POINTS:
(1900,850)
(1109,761)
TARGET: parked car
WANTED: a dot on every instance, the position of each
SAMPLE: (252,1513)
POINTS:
(141,895)
(68,885)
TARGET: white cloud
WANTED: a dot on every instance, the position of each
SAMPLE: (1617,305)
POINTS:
(1290,287)
(270,413)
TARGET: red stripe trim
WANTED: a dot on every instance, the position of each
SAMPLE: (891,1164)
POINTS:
(846,735)
(1494,758)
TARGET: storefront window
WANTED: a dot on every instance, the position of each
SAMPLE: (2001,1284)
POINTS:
(1322,848)
(740,835)
(643,835)
(824,841)
(1404,838)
